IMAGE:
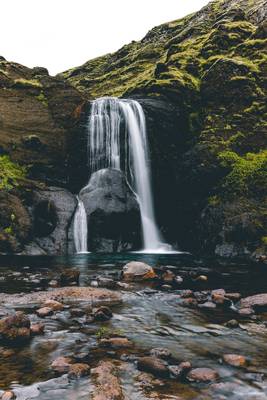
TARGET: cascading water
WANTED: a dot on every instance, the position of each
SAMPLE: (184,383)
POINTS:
(117,139)
(80,228)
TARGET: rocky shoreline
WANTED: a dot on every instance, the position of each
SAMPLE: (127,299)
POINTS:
(105,357)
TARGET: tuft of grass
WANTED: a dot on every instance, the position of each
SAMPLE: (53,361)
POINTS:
(10,173)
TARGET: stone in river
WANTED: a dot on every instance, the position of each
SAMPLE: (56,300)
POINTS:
(15,327)
(161,352)
(55,305)
(44,312)
(137,271)
(234,360)
(202,375)
(116,343)
(102,314)
(69,277)
(78,370)
(168,276)
(258,301)
(107,383)
(37,329)
(61,364)
(153,365)
(8,395)
(180,371)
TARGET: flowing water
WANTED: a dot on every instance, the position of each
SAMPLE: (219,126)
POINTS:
(80,228)
(151,316)
(117,138)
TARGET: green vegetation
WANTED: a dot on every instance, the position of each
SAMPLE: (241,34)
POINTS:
(27,83)
(10,173)
(248,174)
(42,98)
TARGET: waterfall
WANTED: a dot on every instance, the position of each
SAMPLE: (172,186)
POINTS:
(80,228)
(117,139)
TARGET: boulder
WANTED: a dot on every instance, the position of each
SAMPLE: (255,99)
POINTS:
(37,329)
(153,365)
(234,360)
(52,211)
(44,312)
(116,343)
(61,365)
(102,314)
(113,212)
(202,375)
(137,271)
(15,328)
(258,301)
(78,370)
(180,371)
(107,383)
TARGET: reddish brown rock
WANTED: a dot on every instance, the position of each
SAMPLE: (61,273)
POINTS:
(234,360)
(78,370)
(44,312)
(233,296)
(37,329)
(153,365)
(15,327)
(137,271)
(221,300)
(8,395)
(202,375)
(220,292)
(189,302)
(54,305)
(168,276)
(107,383)
(69,277)
(94,295)
(180,371)
(246,312)
(116,343)
(257,301)
(61,364)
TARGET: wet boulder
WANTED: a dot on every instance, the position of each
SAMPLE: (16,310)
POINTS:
(153,365)
(137,271)
(78,370)
(235,360)
(202,375)
(106,381)
(52,211)
(112,211)
(15,328)
(256,302)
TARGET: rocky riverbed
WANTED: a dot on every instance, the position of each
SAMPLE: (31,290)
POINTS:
(132,327)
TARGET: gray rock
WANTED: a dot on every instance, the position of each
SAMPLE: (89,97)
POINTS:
(52,211)
(113,212)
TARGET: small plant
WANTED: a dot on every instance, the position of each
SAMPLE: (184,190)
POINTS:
(10,173)
(41,97)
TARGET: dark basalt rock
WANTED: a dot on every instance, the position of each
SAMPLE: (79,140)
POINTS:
(52,210)
(113,212)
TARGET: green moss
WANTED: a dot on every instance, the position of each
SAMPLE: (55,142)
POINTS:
(264,240)
(214,201)
(10,173)
(247,175)
(42,98)
(27,83)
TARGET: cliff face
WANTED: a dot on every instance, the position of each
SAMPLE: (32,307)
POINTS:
(202,83)
(39,116)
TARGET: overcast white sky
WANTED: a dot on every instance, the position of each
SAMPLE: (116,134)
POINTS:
(60,34)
